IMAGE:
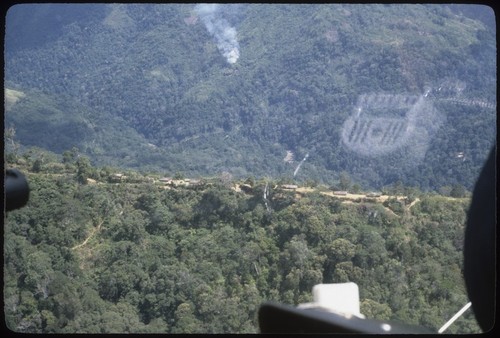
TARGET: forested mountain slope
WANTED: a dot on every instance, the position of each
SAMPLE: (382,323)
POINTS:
(98,250)
(382,92)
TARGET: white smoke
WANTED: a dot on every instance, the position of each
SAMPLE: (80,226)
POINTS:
(220,29)
(265,197)
(300,164)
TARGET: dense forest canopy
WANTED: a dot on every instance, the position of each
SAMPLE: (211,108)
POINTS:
(99,250)
(382,92)
(188,162)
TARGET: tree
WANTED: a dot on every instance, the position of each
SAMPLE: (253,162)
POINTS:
(374,310)
(185,320)
(340,250)
(84,169)
(64,300)
(226,179)
(457,191)
(30,320)
(178,176)
(397,188)
(49,321)
(37,165)
(121,318)
(39,273)
(11,144)
(68,157)
(356,188)
(445,190)
(344,180)
(157,325)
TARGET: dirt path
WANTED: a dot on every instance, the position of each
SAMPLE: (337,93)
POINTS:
(304,190)
(348,196)
(92,233)
(413,203)
(390,211)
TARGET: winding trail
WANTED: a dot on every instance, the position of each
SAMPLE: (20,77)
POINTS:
(413,203)
(92,233)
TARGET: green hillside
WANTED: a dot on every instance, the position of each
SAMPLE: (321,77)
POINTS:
(101,250)
(160,142)
(158,75)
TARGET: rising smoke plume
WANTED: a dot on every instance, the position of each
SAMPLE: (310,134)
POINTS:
(220,29)
(300,164)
